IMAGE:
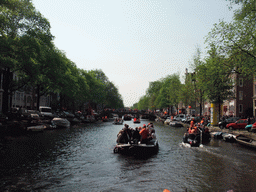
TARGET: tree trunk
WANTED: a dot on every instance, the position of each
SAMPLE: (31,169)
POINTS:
(38,97)
(7,76)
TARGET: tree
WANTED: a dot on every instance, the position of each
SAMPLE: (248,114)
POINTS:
(169,92)
(187,91)
(215,79)
(21,27)
(153,91)
(143,103)
(237,40)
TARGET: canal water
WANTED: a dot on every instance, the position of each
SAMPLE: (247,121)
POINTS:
(81,159)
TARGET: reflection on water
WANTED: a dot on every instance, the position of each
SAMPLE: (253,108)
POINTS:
(81,159)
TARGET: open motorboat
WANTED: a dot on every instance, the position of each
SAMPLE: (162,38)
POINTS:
(195,140)
(118,121)
(246,141)
(135,120)
(61,122)
(175,124)
(129,141)
(137,148)
(127,117)
(36,128)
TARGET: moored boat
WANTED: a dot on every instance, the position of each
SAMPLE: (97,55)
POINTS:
(61,122)
(246,141)
(175,124)
(36,128)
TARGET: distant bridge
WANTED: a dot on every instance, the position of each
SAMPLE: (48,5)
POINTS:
(122,113)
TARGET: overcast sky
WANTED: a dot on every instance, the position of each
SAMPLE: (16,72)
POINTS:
(134,42)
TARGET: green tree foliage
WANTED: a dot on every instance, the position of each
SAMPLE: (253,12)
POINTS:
(22,29)
(187,91)
(103,91)
(237,40)
(162,93)
(143,103)
(26,50)
(169,92)
(153,91)
(215,79)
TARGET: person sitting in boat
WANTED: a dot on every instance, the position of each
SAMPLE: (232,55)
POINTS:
(136,135)
(152,135)
(195,130)
(192,123)
(202,123)
(150,127)
(144,134)
(123,136)
(190,130)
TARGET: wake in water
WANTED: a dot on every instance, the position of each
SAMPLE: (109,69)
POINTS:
(187,145)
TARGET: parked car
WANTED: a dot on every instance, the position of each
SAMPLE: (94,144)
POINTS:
(45,112)
(249,126)
(180,117)
(222,124)
(239,124)
(253,128)
(34,114)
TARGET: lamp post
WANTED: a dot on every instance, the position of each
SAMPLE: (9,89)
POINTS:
(194,83)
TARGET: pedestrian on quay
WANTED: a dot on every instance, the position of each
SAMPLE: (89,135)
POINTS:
(248,120)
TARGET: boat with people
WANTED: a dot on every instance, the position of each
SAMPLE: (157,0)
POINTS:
(196,136)
(140,141)
(118,121)
(136,120)
(127,117)
(104,119)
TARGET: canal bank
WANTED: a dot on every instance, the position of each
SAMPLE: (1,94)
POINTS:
(234,132)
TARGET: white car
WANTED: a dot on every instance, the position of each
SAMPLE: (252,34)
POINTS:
(180,117)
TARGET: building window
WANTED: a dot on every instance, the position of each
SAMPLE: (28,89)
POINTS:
(240,95)
(240,82)
(240,108)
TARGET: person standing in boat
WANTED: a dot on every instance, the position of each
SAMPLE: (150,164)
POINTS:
(192,123)
(144,134)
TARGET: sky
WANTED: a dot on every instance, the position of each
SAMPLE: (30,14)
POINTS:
(134,42)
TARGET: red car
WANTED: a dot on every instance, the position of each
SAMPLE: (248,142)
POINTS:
(253,129)
(239,124)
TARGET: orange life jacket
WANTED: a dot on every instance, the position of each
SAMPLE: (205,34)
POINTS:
(144,133)
(192,124)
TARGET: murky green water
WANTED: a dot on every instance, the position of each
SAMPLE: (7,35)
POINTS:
(81,159)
